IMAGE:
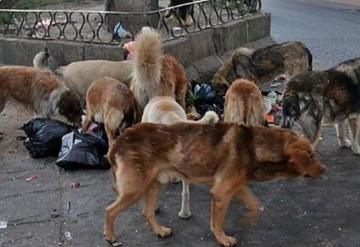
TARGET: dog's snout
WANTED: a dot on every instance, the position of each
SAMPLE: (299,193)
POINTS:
(316,172)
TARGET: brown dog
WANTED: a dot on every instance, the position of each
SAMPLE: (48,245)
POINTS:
(79,75)
(40,92)
(225,155)
(156,74)
(244,103)
(265,64)
(110,102)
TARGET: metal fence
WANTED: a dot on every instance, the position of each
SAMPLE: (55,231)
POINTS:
(110,27)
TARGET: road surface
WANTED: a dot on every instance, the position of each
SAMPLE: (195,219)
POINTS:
(301,212)
(331,31)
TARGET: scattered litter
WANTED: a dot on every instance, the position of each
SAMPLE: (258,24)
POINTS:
(176,30)
(3,224)
(44,23)
(54,214)
(339,228)
(68,206)
(116,244)
(120,32)
(74,185)
(202,238)
(32,178)
(68,235)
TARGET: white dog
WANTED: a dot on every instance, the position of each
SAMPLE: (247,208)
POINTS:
(165,110)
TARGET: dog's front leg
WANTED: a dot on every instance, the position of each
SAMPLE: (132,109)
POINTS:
(219,204)
(341,135)
(185,201)
(354,123)
(251,203)
(151,198)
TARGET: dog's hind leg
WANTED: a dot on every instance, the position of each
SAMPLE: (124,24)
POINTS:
(2,106)
(129,191)
(354,123)
(341,135)
(151,198)
(185,201)
(124,201)
(222,192)
(251,203)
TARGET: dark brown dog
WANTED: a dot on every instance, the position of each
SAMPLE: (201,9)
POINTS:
(263,65)
(40,92)
(244,104)
(225,155)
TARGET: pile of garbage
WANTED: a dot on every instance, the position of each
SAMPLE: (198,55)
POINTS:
(52,138)
(204,97)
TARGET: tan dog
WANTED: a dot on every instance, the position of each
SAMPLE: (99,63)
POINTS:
(244,103)
(225,156)
(165,110)
(110,102)
(265,64)
(40,92)
(156,74)
(79,75)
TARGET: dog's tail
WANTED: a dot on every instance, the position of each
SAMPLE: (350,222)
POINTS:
(147,64)
(210,117)
(41,59)
(310,58)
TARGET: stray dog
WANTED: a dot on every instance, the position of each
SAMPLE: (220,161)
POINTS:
(110,102)
(244,104)
(156,74)
(165,110)
(334,94)
(184,14)
(263,65)
(79,75)
(39,91)
(225,156)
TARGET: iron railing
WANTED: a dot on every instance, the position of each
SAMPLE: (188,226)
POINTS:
(104,26)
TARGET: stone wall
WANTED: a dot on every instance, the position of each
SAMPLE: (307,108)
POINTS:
(201,53)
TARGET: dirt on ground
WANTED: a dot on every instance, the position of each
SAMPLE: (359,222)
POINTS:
(48,212)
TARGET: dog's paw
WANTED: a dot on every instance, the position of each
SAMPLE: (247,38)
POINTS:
(346,143)
(227,241)
(110,237)
(184,214)
(163,231)
(356,150)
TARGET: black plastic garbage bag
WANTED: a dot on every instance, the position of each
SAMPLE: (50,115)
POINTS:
(205,98)
(44,136)
(83,151)
(204,93)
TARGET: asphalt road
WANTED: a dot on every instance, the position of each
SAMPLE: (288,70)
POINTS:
(331,31)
